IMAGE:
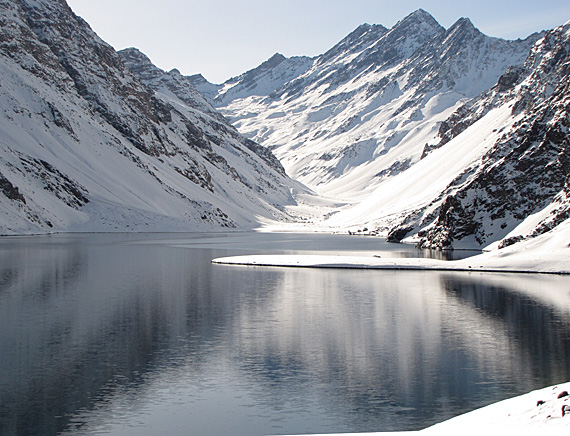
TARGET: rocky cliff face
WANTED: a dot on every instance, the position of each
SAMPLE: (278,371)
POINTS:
(525,172)
(89,144)
(172,84)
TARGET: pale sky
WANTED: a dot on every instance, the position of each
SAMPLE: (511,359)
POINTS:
(224,38)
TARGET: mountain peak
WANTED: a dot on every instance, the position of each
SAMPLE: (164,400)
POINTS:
(418,25)
(269,64)
(419,16)
(273,61)
(134,53)
(277,57)
(139,63)
(363,28)
(463,25)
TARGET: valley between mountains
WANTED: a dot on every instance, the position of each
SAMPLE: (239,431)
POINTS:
(446,138)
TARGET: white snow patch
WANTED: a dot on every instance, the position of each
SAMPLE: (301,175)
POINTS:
(533,413)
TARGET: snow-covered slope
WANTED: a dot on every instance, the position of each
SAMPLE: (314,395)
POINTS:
(86,145)
(365,110)
(263,80)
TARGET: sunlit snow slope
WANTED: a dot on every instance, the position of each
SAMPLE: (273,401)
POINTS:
(365,110)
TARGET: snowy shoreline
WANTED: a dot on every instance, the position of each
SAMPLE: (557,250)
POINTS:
(545,254)
(542,410)
(471,264)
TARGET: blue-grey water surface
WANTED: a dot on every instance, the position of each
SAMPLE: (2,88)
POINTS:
(134,334)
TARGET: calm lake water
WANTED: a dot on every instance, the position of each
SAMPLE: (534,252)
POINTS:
(142,335)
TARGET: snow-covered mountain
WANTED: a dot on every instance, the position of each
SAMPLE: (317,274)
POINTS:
(447,137)
(88,144)
(365,110)
(498,171)
(519,188)
(260,81)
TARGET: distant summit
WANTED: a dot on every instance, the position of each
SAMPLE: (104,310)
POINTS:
(419,16)
(264,79)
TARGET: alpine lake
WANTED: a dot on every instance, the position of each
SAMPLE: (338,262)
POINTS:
(140,334)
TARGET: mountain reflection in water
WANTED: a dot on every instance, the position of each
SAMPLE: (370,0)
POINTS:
(140,334)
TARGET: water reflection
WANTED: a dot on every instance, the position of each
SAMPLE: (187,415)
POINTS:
(381,349)
(534,337)
(123,334)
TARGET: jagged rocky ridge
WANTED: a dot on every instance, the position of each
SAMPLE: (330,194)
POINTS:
(365,110)
(202,114)
(89,145)
(526,171)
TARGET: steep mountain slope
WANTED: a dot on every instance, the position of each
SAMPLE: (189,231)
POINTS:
(500,169)
(366,109)
(86,145)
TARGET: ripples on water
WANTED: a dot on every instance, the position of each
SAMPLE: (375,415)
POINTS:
(141,335)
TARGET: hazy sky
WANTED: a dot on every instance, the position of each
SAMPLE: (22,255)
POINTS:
(224,38)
